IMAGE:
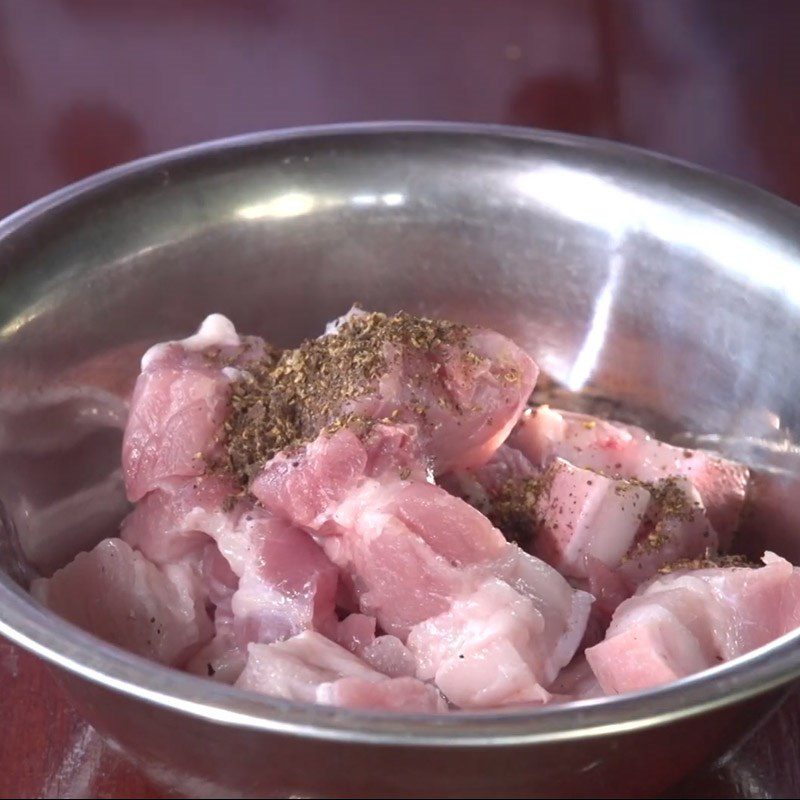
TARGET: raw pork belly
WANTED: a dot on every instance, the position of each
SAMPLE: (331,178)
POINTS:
(605,503)
(312,668)
(180,402)
(451,394)
(584,518)
(267,579)
(172,521)
(431,569)
(286,583)
(117,594)
(690,620)
(464,394)
(625,451)
(373,520)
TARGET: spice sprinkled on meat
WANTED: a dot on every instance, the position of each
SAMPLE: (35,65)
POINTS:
(709,561)
(669,504)
(279,404)
(513,508)
(326,524)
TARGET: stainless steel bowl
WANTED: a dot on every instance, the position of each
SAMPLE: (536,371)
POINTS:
(670,291)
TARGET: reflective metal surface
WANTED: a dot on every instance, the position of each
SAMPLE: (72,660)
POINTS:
(669,291)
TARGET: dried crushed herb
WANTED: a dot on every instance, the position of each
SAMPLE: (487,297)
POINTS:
(669,502)
(515,507)
(287,400)
(708,561)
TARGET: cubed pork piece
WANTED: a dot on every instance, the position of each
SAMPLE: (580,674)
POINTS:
(583,517)
(625,451)
(506,640)
(487,649)
(180,403)
(461,389)
(311,668)
(400,575)
(609,536)
(413,551)
(268,579)
(675,528)
(693,619)
(286,582)
(309,487)
(115,593)
(170,525)
(172,521)
(604,503)
(481,485)
(585,523)
(464,388)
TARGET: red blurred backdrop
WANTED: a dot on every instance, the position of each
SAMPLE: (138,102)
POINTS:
(86,84)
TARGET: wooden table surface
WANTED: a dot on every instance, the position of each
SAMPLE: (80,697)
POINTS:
(85,84)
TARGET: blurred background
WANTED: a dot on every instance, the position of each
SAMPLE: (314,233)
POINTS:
(87,84)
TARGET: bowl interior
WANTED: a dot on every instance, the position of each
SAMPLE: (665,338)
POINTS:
(669,295)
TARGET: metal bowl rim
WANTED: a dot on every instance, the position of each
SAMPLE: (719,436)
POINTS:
(41,632)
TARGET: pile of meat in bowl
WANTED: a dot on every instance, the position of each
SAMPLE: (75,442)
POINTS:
(378,519)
